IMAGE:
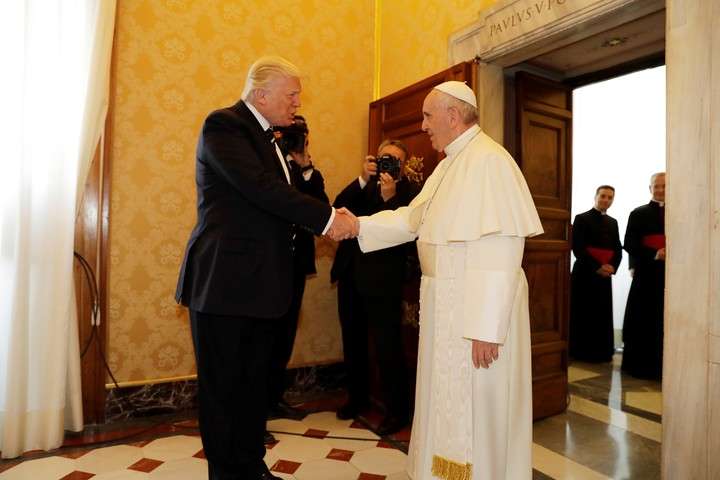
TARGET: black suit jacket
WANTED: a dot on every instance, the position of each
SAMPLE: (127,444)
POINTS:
(593,229)
(238,260)
(304,239)
(381,272)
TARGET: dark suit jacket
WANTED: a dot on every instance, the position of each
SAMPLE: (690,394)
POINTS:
(304,239)
(238,260)
(593,229)
(375,273)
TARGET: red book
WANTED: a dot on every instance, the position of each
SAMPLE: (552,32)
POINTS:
(602,255)
(656,241)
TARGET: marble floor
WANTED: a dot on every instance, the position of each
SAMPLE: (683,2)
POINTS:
(611,430)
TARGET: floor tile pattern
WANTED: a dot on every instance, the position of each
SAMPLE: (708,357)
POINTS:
(611,430)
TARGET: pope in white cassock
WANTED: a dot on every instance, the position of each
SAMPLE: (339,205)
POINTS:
(471,220)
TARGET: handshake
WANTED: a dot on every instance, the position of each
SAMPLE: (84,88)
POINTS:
(345,225)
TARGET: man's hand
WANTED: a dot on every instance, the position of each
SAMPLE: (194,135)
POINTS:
(606,270)
(369,168)
(387,186)
(484,353)
(345,225)
(660,255)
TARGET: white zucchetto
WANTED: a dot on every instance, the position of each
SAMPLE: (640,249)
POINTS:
(459,90)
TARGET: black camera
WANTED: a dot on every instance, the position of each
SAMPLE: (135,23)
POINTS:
(388,164)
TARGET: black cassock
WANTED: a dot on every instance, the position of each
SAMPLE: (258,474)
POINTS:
(643,327)
(595,241)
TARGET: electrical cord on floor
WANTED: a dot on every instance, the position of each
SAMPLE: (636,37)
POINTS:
(94,312)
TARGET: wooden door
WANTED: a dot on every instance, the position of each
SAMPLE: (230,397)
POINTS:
(399,116)
(543,151)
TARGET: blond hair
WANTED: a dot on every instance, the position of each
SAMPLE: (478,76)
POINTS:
(264,71)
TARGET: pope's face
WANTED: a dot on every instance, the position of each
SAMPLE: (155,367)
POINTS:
(280,100)
(436,121)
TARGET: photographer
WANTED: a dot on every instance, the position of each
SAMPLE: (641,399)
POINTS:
(294,144)
(370,290)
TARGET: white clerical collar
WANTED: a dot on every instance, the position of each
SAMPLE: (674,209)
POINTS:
(263,121)
(601,212)
(662,204)
(460,142)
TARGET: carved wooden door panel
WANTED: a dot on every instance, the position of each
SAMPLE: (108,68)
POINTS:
(544,122)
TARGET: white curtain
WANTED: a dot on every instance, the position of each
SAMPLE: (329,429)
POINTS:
(55,58)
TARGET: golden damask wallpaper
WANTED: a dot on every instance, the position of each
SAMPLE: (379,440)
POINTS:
(174,62)
(414,37)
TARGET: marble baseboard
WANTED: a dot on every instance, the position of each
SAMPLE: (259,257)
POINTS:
(148,400)
(304,384)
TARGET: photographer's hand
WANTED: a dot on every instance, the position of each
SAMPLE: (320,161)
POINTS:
(369,168)
(387,186)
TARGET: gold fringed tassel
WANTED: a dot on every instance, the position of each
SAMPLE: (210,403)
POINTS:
(449,470)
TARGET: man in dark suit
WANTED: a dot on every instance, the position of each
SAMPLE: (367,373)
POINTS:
(294,143)
(236,277)
(644,314)
(598,252)
(370,294)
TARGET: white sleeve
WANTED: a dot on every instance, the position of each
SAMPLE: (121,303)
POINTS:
(385,229)
(493,268)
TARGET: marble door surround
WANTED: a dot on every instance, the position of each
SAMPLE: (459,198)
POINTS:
(513,31)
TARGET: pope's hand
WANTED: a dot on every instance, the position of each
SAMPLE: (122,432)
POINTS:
(484,353)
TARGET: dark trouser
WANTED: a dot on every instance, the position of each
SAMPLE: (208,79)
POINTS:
(232,356)
(378,319)
(285,330)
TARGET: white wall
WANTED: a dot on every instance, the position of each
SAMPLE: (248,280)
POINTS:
(619,140)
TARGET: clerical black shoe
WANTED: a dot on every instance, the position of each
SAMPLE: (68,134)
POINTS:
(391,424)
(283,410)
(348,411)
(269,438)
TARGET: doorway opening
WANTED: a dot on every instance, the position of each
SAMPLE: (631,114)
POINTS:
(618,140)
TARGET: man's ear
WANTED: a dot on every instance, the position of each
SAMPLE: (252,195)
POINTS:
(453,116)
(261,96)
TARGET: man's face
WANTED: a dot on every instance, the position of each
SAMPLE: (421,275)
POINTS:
(604,199)
(280,100)
(436,121)
(657,188)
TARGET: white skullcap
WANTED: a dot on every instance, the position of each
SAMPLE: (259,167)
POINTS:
(459,90)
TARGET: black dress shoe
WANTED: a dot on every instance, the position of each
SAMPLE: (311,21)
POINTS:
(283,410)
(269,438)
(348,411)
(267,476)
(264,474)
(391,424)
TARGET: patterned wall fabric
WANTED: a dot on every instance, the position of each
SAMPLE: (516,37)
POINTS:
(414,37)
(175,61)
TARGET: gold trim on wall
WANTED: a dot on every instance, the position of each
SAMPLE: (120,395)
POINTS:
(377,49)
(152,381)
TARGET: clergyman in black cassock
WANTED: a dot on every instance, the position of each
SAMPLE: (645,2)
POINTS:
(596,245)
(643,327)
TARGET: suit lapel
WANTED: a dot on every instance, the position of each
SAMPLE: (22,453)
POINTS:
(266,149)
